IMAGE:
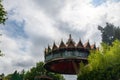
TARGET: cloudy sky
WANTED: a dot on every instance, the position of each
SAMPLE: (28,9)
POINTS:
(33,24)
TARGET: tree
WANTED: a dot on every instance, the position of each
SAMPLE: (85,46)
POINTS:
(2,13)
(117,33)
(3,18)
(39,70)
(8,77)
(1,54)
(15,76)
(109,33)
(103,64)
(2,76)
(22,74)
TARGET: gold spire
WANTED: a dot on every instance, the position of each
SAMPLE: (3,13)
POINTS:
(79,45)
(46,51)
(70,43)
(49,49)
(93,46)
(87,45)
(62,45)
(54,47)
(70,36)
(70,39)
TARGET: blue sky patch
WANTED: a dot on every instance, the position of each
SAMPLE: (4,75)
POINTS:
(98,2)
(15,29)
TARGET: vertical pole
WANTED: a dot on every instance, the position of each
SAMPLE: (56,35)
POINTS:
(75,67)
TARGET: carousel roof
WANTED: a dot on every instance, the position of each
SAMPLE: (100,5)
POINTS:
(54,47)
(87,45)
(80,45)
(62,45)
(70,44)
(93,46)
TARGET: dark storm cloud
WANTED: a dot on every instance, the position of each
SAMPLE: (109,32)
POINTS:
(23,63)
(41,41)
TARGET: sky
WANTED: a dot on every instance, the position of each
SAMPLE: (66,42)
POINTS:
(33,24)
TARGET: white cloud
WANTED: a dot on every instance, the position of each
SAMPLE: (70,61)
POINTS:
(37,26)
(37,22)
(83,15)
(14,51)
(42,25)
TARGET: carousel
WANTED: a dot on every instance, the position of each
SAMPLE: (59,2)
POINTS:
(66,57)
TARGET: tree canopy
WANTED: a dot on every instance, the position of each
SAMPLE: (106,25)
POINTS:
(39,70)
(2,13)
(109,33)
(103,64)
(3,18)
(17,76)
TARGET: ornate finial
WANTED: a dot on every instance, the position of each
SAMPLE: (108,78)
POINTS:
(93,46)
(70,36)
(62,45)
(70,43)
(80,40)
(45,51)
(88,40)
(49,49)
(54,43)
(94,42)
(54,46)
(70,40)
(79,45)
(87,45)
(61,39)
(48,46)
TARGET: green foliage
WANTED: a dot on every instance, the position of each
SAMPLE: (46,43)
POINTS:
(103,64)
(39,70)
(17,76)
(109,33)
(3,18)
(2,13)
(8,77)
(1,54)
